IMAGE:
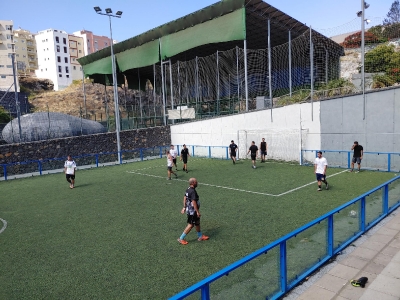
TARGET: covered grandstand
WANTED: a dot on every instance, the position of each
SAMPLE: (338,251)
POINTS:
(234,55)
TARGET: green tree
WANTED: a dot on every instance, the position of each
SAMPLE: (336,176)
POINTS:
(4,115)
(393,16)
(379,59)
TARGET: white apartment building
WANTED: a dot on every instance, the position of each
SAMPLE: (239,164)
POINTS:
(7,50)
(54,57)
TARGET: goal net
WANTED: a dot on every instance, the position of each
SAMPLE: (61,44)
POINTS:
(284,144)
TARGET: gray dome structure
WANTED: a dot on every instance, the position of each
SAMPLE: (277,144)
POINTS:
(44,126)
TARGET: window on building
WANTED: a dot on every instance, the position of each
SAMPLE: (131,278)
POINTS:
(59,75)
(41,70)
(9,46)
(80,68)
(17,55)
(80,51)
(74,59)
(47,40)
(66,59)
(44,59)
(79,43)
(15,40)
(59,69)
(9,66)
(57,39)
(23,48)
(8,27)
(24,56)
(74,67)
(46,69)
(64,41)
(105,44)
(8,36)
(58,58)
(67,76)
(58,48)
(23,41)
(3,76)
(1,66)
(9,55)
(65,50)
(66,70)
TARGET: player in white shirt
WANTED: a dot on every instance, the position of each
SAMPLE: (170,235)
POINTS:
(320,166)
(169,165)
(69,170)
(174,155)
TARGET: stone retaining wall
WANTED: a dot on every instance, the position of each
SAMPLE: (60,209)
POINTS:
(86,144)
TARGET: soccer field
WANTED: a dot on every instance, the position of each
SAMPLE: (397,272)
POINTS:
(115,235)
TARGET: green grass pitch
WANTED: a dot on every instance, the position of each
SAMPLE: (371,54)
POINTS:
(115,235)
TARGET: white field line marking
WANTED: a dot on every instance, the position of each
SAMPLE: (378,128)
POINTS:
(300,187)
(4,225)
(240,190)
(213,185)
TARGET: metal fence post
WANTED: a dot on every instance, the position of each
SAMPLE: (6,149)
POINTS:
(209,151)
(5,171)
(283,268)
(389,156)
(348,160)
(40,167)
(362,214)
(330,235)
(141,154)
(97,160)
(385,199)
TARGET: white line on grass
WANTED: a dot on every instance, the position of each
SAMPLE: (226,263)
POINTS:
(300,187)
(4,225)
(240,190)
(213,185)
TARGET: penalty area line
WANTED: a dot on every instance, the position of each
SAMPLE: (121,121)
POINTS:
(4,225)
(300,187)
(208,184)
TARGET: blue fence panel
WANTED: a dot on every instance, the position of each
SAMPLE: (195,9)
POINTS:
(302,251)
(381,161)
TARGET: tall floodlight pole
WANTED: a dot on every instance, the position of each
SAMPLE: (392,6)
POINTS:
(114,73)
(16,97)
(361,13)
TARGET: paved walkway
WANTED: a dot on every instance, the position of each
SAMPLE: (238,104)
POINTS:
(375,255)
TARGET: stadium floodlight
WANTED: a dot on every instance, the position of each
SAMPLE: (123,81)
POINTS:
(361,14)
(114,75)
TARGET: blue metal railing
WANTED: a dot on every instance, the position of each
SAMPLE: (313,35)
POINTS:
(390,200)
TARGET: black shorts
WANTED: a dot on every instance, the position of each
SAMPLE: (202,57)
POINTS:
(193,219)
(174,161)
(233,154)
(70,176)
(184,159)
(253,157)
(169,168)
(356,160)
(263,152)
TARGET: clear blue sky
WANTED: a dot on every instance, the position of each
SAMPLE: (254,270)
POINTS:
(329,17)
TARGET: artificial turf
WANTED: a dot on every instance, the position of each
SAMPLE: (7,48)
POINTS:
(115,235)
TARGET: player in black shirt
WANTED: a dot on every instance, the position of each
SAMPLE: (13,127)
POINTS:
(357,156)
(184,157)
(191,205)
(253,150)
(263,149)
(232,151)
